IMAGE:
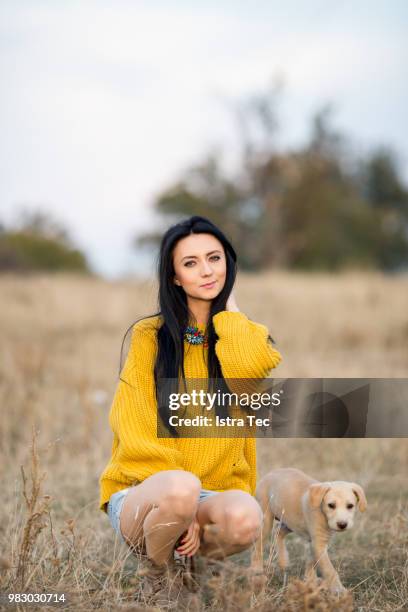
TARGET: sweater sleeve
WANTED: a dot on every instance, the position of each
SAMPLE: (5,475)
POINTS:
(243,348)
(133,415)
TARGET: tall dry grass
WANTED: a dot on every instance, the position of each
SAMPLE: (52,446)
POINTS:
(59,358)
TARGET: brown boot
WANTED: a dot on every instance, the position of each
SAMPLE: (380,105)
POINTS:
(185,584)
(162,585)
(185,567)
(154,582)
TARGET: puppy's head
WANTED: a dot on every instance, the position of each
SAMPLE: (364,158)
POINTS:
(338,501)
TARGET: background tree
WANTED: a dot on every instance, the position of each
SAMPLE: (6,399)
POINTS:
(37,241)
(381,185)
(317,207)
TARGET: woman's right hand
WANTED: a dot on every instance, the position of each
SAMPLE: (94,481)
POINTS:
(190,540)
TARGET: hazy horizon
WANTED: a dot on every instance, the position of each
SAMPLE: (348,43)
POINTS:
(107,103)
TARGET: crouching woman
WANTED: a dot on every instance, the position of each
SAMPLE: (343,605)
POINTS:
(193,494)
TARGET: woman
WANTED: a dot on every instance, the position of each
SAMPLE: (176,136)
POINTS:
(197,492)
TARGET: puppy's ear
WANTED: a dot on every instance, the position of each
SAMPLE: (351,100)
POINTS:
(361,498)
(317,492)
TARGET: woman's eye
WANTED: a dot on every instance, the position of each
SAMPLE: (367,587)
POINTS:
(187,264)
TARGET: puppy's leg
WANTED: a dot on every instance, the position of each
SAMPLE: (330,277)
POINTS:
(310,571)
(262,495)
(283,556)
(329,574)
(257,556)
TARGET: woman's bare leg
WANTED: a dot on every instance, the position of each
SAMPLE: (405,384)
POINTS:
(230,522)
(159,510)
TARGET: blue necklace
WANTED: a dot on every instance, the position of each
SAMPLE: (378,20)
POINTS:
(193,335)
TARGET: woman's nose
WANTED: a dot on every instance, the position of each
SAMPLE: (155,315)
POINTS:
(206,269)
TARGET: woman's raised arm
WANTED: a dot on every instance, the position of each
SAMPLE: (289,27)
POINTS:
(243,348)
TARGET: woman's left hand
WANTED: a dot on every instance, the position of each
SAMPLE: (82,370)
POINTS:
(232,305)
(190,540)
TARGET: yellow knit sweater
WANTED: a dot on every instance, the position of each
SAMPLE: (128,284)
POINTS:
(220,463)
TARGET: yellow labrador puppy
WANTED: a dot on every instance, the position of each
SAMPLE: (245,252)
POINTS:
(312,509)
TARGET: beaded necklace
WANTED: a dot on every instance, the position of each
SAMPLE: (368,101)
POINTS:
(194,335)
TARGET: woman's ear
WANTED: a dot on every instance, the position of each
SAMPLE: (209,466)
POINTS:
(176,282)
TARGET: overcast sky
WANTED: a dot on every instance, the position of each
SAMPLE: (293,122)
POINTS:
(103,104)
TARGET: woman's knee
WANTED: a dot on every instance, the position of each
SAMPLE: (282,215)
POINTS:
(243,523)
(181,493)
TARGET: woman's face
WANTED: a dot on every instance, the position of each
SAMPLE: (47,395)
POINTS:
(199,260)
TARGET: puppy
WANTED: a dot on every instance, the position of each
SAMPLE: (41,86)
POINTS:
(312,509)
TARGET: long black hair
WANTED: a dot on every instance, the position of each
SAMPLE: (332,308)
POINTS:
(173,309)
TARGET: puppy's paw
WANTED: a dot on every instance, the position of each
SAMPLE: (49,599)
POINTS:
(337,589)
(258,583)
(257,579)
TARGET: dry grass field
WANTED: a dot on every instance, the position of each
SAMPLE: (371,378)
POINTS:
(59,360)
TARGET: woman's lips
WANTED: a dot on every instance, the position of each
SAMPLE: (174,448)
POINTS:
(208,285)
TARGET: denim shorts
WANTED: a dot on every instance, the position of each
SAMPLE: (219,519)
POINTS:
(116,502)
